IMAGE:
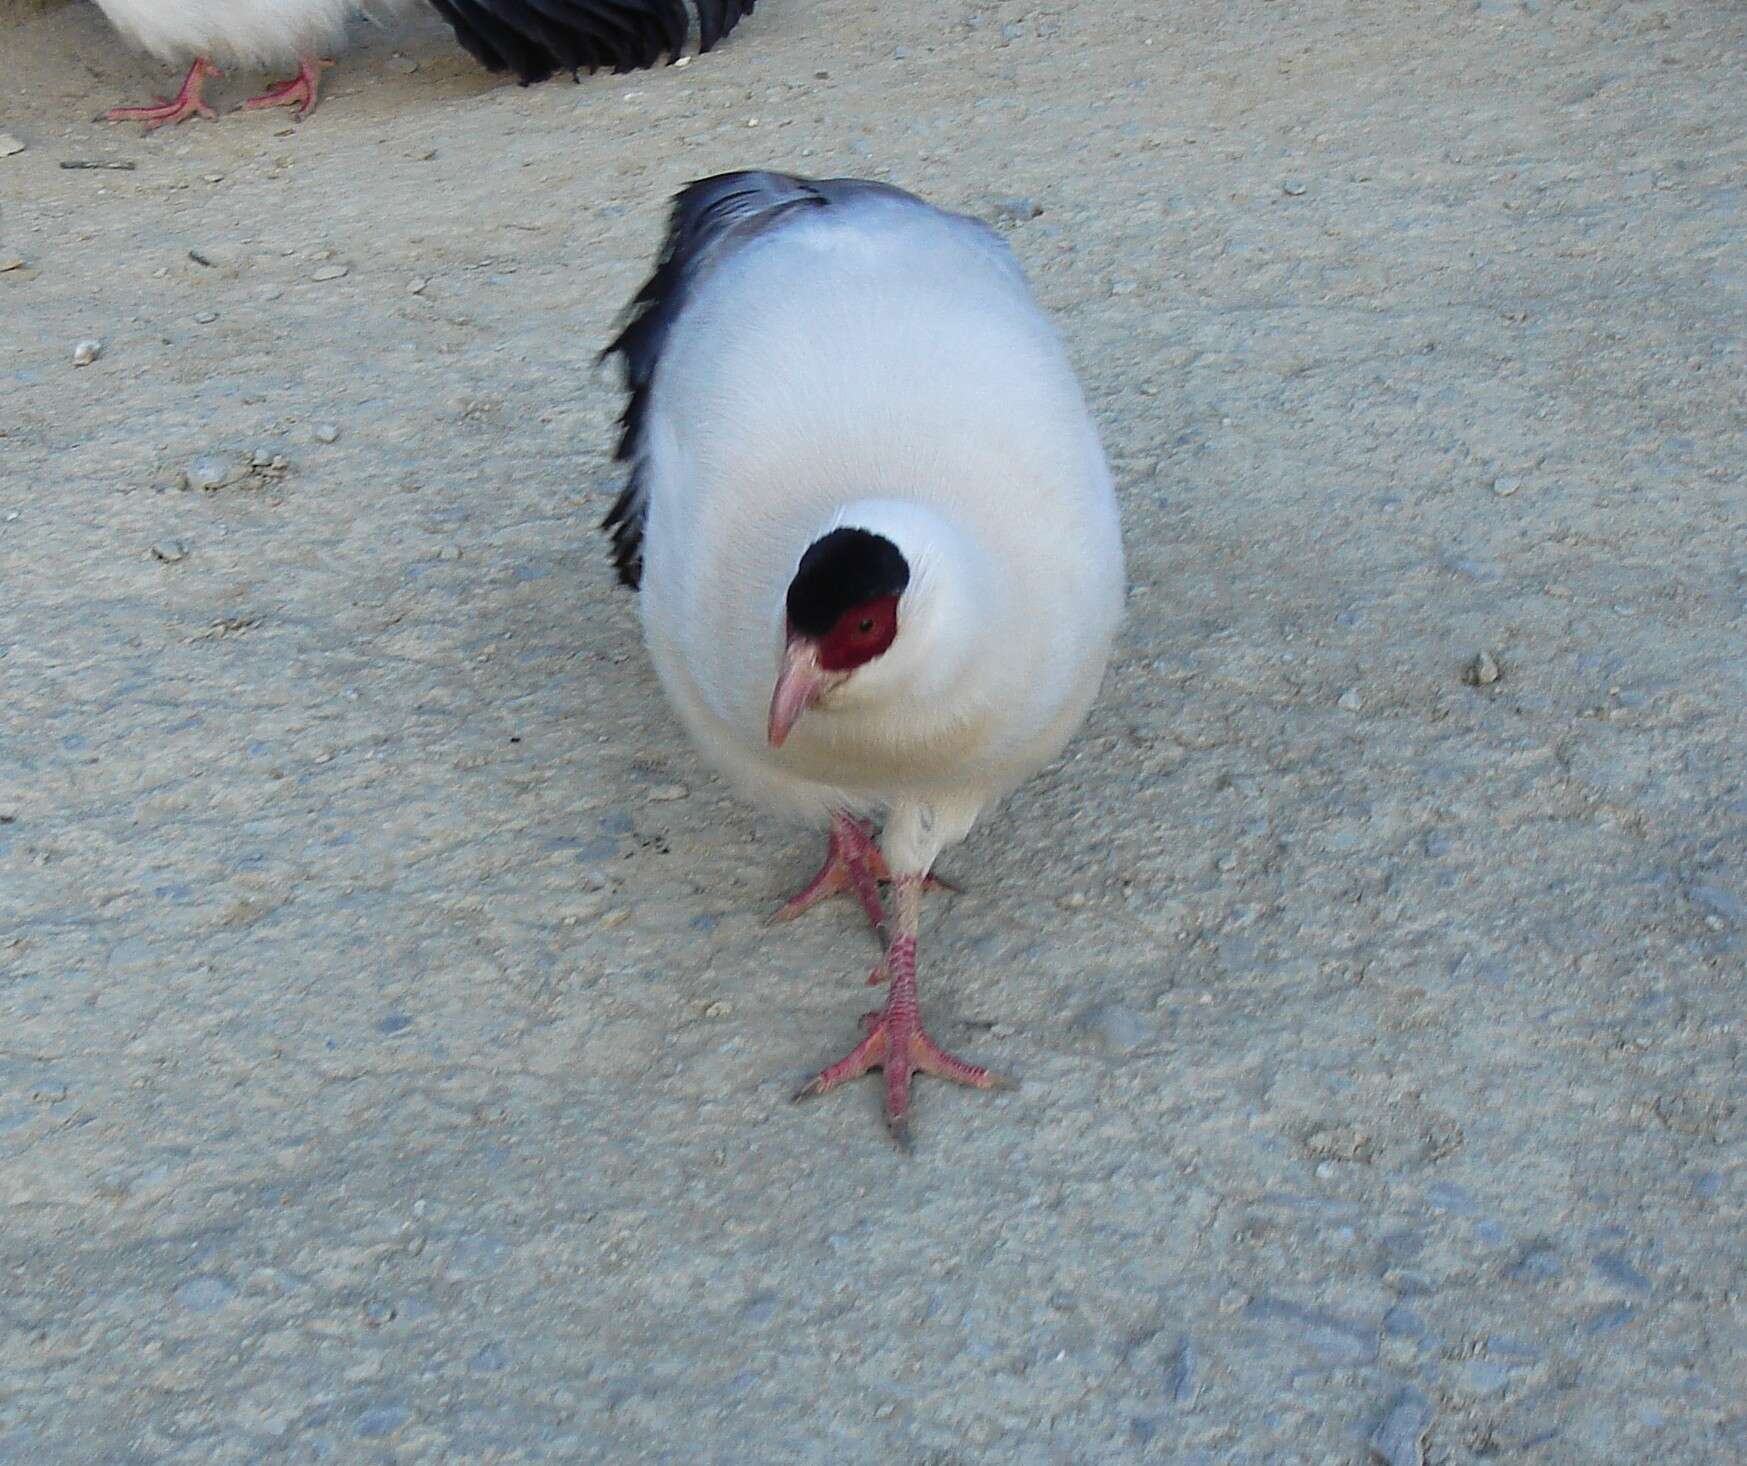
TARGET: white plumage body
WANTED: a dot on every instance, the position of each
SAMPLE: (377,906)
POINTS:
(881,364)
(242,33)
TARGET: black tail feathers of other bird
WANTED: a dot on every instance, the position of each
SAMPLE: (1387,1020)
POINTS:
(538,38)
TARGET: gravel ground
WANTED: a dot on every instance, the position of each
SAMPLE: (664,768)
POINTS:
(393,1064)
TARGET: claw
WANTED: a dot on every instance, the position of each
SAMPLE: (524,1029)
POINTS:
(852,863)
(302,91)
(168,110)
(894,1040)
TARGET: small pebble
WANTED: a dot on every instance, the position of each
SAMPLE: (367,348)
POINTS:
(449,552)
(1113,1027)
(1505,487)
(331,272)
(326,432)
(1483,671)
(1399,1438)
(169,551)
(10,144)
(405,65)
(1334,1340)
(667,793)
(210,472)
(204,1295)
(1606,1320)
(1293,187)
(1617,1268)
(1486,1376)
(87,352)
(11,262)
(206,318)
(261,458)
(1720,901)
(1016,210)
(1447,1196)
(417,287)
(490,1359)
(1351,700)
(382,1420)
(1181,1385)
(1539,1264)
(1402,1322)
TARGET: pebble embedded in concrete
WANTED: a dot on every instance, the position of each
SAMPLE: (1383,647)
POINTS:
(209,472)
(1482,671)
(205,1294)
(1399,1439)
(1114,1027)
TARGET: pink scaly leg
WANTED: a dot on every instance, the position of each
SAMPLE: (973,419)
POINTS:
(852,863)
(185,104)
(301,91)
(896,1042)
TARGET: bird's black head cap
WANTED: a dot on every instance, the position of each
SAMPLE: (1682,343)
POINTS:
(842,569)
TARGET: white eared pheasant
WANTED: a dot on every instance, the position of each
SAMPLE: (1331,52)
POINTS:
(533,38)
(873,531)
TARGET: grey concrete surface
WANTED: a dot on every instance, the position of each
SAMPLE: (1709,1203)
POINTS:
(393,1064)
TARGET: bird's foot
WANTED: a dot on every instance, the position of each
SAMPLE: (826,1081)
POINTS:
(852,863)
(185,104)
(898,1045)
(301,91)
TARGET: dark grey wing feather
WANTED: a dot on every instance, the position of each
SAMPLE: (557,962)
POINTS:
(710,218)
(537,38)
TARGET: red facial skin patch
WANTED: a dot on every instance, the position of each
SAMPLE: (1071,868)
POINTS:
(862,633)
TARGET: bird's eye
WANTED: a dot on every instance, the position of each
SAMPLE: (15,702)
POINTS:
(866,625)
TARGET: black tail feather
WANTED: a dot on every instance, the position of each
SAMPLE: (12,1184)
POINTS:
(538,38)
(706,215)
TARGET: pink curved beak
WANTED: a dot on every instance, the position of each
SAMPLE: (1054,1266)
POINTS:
(800,683)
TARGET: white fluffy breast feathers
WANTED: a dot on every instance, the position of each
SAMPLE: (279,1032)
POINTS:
(813,358)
